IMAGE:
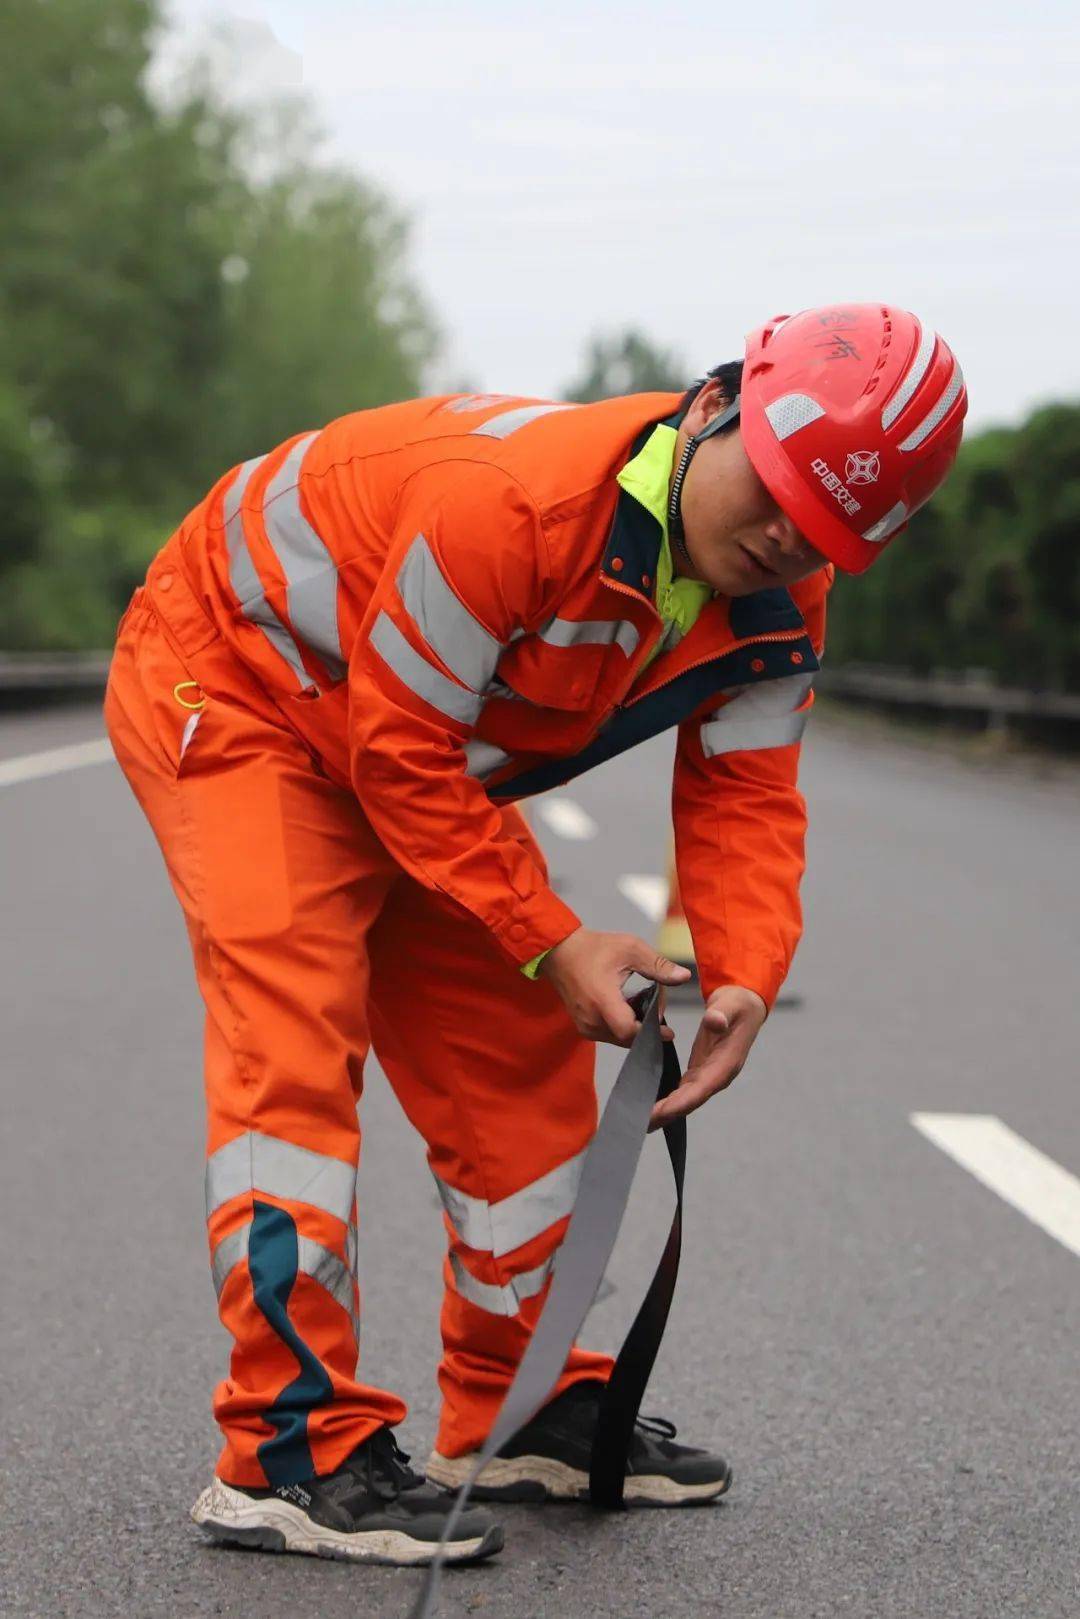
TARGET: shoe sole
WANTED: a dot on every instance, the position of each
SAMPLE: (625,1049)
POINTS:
(272,1525)
(542,1478)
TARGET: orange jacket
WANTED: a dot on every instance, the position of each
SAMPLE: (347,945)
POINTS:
(450,599)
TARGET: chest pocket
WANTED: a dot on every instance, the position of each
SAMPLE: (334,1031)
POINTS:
(573,664)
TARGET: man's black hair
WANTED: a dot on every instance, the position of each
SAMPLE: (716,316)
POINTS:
(728,375)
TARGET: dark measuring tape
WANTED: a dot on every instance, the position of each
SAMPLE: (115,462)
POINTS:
(651,1070)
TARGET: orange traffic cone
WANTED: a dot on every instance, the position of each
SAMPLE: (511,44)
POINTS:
(673,939)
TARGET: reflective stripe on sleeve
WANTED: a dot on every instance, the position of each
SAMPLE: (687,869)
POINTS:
(445,623)
(591,632)
(510,420)
(258,1163)
(331,1272)
(309,569)
(499,1228)
(760,717)
(245,580)
(482,759)
(421,677)
(500,1300)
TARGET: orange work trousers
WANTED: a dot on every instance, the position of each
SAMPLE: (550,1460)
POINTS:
(309,945)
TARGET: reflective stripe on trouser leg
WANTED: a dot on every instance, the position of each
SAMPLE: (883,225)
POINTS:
(280,878)
(499,1083)
(336,1275)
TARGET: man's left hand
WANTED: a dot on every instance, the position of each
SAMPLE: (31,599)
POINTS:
(729,1028)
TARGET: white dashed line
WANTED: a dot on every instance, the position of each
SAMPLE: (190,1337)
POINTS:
(649,894)
(1011,1167)
(30,766)
(567,819)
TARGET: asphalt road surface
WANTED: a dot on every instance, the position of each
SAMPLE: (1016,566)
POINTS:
(883,1338)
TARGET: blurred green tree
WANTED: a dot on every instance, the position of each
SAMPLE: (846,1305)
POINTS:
(988,574)
(168,305)
(626,363)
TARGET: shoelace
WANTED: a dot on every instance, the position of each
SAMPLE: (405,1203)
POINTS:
(385,1467)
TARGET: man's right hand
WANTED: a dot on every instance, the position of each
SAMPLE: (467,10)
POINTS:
(589,970)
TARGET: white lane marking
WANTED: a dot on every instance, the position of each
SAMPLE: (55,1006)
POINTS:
(29,766)
(649,894)
(1011,1167)
(567,819)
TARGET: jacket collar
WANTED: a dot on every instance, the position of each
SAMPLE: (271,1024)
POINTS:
(633,550)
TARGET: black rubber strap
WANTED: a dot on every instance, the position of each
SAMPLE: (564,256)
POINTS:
(626,1387)
(603,1193)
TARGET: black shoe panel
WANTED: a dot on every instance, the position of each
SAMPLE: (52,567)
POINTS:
(374,1490)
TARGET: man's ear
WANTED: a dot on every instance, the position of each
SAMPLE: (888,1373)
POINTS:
(707,405)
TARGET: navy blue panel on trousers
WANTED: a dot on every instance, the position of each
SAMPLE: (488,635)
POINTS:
(273,1264)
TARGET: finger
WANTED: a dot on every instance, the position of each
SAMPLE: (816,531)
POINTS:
(667,1032)
(646,961)
(719,1022)
(690,1095)
(619,1017)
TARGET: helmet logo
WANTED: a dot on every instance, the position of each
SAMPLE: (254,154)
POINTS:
(862,466)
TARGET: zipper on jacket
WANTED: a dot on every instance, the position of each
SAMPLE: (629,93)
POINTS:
(767,636)
(734,646)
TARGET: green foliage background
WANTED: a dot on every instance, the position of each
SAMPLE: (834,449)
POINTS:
(987,576)
(183,285)
(163,314)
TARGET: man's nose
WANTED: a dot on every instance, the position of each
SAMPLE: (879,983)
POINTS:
(781,532)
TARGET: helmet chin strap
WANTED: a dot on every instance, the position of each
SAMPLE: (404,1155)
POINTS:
(675,522)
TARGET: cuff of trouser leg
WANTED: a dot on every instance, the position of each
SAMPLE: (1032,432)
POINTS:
(538,925)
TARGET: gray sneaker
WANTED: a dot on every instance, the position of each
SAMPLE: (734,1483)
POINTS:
(548,1460)
(373,1509)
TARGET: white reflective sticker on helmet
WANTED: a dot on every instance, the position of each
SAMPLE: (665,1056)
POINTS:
(787,414)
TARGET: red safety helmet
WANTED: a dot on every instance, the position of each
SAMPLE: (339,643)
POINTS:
(852,416)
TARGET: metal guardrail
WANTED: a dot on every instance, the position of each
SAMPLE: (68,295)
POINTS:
(26,677)
(972,698)
(51,677)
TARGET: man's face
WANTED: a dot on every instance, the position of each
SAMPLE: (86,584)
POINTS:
(738,538)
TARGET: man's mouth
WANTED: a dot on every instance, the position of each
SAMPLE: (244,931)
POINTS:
(770,573)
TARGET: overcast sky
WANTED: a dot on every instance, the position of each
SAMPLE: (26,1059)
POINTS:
(571,168)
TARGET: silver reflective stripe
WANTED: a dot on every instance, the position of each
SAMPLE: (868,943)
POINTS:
(258,1163)
(886,525)
(938,414)
(500,1300)
(228,1254)
(912,377)
(328,1270)
(476,402)
(189,731)
(482,759)
(509,422)
(246,582)
(760,717)
(791,412)
(420,676)
(499,1228)
(312,1259)
(591,632)
(305,561)
(463,644)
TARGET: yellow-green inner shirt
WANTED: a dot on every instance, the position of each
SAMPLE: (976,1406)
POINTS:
(678,601)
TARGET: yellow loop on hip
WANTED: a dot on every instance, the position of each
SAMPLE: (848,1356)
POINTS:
(188,685)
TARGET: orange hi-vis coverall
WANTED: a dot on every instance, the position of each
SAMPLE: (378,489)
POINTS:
(342,669)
